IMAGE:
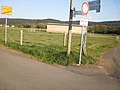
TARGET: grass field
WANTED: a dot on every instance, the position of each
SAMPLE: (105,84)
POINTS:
(48,47)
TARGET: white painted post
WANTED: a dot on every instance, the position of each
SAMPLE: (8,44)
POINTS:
(21,37)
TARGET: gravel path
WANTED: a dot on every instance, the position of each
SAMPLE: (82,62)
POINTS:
(112,62)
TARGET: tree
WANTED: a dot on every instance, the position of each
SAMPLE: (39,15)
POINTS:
(41,25)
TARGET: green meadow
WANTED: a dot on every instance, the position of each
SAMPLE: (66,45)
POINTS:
(48,47)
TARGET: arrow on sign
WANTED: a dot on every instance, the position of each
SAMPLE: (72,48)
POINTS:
(95,5)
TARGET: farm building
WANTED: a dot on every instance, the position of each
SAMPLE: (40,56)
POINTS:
(62,28)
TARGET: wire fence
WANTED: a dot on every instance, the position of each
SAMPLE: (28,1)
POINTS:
(41,37)
(31,36)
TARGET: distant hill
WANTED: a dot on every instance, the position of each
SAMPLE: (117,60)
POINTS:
(14,21)
(50,21)
(114,23)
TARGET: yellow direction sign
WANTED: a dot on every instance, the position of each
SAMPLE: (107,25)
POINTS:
(6,10)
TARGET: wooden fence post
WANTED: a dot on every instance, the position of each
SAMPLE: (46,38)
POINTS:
(65,37)
(21,37)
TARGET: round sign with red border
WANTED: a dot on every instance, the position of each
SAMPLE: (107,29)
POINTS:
(85,8)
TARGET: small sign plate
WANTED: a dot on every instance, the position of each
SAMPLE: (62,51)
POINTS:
(84,21)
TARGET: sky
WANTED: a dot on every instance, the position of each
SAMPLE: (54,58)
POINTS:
(59,9)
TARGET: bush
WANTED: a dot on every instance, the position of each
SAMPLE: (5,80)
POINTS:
(42,26)
(104,29)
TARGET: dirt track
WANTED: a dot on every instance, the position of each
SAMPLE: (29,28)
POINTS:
(21,73)
(112,62)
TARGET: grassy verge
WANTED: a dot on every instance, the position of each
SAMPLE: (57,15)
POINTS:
(48,47)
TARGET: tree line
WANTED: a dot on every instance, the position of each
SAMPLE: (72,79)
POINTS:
(104,29)
(29,25)
(109,27)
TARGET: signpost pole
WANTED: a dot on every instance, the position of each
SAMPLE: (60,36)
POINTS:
(86,6)
(6,30)
(81,44)
(85,10)
(7,11)
(70,26)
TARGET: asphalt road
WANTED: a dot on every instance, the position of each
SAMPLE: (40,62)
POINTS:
(18,72)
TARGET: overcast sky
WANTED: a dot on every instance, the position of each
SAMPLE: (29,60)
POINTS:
(59,9)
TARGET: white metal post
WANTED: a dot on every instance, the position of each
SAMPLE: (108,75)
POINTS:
(6,30)
(81,46)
